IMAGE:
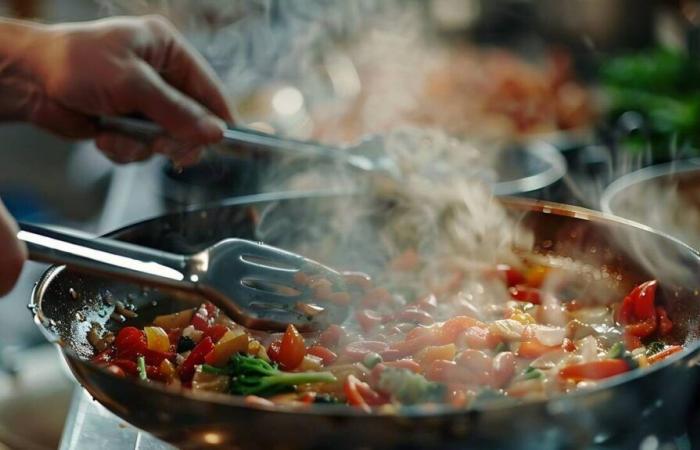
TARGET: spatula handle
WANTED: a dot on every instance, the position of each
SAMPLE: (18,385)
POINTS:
(106,257)
(236,136)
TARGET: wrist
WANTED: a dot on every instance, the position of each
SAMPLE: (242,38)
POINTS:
(20,83)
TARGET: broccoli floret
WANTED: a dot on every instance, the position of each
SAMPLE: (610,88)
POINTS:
(410,388)
(251,375)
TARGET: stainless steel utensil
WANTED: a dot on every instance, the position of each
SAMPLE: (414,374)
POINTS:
(253,282)
(367,156)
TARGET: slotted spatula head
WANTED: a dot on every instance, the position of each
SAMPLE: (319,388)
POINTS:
(265,287)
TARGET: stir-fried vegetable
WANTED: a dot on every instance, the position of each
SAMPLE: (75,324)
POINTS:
(397,351)
(255,376)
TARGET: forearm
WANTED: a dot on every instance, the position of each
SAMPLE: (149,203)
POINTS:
(19,84)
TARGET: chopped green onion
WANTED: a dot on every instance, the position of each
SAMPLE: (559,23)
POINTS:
(531,373)
(501,347)
(371,359)
(141,367)
(616,351)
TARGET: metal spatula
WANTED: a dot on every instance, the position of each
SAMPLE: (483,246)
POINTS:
(367,156)
(259,286)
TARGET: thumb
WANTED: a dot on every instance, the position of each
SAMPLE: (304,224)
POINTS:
(13,253)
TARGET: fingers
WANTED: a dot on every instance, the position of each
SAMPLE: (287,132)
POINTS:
(180,116)
(185,69)
(52,116)
(13,253)
(122,149)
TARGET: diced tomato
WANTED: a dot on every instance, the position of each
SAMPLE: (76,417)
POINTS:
(451,328)
(130,342)
(510,275)
(196,357)
(104,356)
(356,351)
(390,355)
(354,398)
(174,336)
(415,315)
(129,367)
(638,305)
(375,297)
(368,319)
(292,349)
(359,279)
(407,364)
(154,357)
(479,338)
(665,353)
(568,345)
(665,324)
(434,352)
(200,319)
(534,349)
(594,370)
(411,346)
(524,293)
(427,303)
(322,352)
(215,332)
(331,336)
(644,302)
(115,370)
(441,370)
(643,328)
(632,341)
(273,350)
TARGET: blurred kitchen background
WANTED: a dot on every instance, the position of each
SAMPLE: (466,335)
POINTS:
(614,85)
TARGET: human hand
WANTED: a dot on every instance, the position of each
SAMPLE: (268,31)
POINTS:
(13,253)
(65,75)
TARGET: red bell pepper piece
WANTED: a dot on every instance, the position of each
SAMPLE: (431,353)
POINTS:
(154,357)
(215,332)
(130,343)
(594,370)
(511,276)
(322,352)
(524,293)
(665,324)
(129,367)
(665,353)
(195,358)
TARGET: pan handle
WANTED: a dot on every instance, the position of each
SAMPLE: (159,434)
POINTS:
(107,257)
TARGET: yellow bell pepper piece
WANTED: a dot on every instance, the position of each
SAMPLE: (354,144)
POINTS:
(157,339)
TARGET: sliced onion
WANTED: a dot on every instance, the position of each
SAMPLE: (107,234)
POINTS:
(508,329)
(549,359)
(588,348)
(549,336)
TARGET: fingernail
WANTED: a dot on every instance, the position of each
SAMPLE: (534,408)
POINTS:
(212,128)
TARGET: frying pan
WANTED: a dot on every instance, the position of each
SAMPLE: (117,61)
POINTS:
(64,303)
